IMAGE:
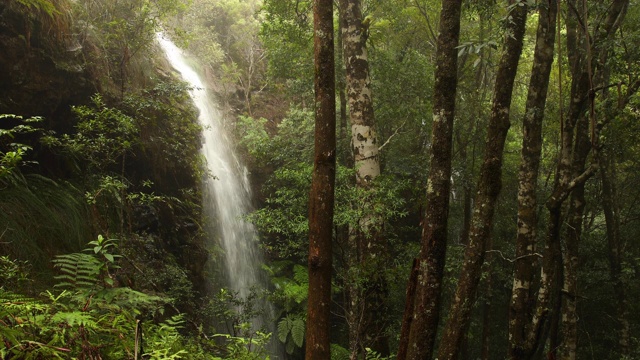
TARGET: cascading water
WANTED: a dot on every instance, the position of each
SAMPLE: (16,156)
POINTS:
(227,193)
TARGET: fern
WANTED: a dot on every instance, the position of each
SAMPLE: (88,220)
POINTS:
(40,217)
(75,318)
(291,331)
(79,271)
(339,353)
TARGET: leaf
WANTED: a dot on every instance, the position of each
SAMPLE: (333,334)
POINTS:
(284,327)
(297,331)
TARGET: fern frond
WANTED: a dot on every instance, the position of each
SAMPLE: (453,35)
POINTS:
(297,331)
(78,271)
(75,318)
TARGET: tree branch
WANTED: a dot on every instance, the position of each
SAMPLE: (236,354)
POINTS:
(392,135)
(513,260)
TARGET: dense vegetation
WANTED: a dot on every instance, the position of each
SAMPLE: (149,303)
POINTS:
(102,251)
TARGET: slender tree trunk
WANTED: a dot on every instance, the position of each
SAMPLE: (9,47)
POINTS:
(592,65)
(522,295)
(485,349)
(341,83)
(567,178)
(488,189)
(368,291)
(614,248)
(426,307)
(572,238)
(564,184)
(407,317)
(321,197)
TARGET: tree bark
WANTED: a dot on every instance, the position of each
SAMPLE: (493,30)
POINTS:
(488,188)
(321,197)
(368,290)
(485,340)
(522,295)
(566,179)
(426,307)
(614,249)
(573,233)
(592,65)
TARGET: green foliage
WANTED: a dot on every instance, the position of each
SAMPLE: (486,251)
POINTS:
(13,272)
(291,144)
(287,34)
(290,295)
(79,270)
(291,331)
(103,135)
(165,341)
(91,317)
(40,5)
(169,131)
(12,153)
(339,353)
(245,348)
(124,33)
(41,217)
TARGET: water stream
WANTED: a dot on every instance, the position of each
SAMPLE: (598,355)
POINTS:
(227,194)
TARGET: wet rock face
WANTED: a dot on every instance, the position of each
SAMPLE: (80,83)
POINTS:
(41,73)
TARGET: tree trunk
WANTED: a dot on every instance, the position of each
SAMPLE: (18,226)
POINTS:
(614,248)
(522,295)
(426,307)
(368,289)
(566,179)
(488,189)
(592,65)
(321,197)
(485,349)
(572,238)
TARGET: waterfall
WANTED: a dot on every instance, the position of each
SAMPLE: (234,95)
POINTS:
(227,192)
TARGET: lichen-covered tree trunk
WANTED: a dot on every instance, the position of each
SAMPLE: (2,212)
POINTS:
(418,342)
(571,240)
(552,255)
(580,51)
(367,293)
(321,197)
(590,64)
(488,189)
(522,295)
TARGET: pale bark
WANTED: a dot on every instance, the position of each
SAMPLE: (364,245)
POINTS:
(321,197)
(426,306)
(368,294)
(488,189)
(522,295)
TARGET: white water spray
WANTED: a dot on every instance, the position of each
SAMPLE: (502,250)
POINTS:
(227,196)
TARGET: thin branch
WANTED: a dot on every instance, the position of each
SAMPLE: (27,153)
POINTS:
(392,135)
(2,235)
(426,17)
(513,260)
